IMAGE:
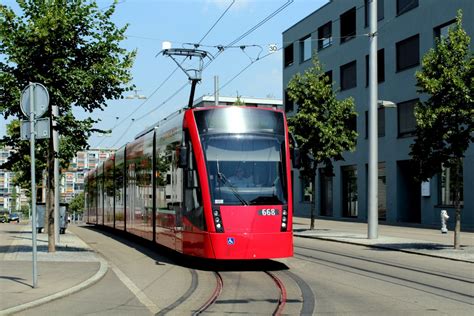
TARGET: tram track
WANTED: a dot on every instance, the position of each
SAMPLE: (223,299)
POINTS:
(214,296)
(283,295)
(428,284)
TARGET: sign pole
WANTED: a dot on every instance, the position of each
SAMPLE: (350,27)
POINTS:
(57,221)
(33,182)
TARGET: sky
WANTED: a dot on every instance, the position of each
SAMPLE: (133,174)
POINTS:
(151,22)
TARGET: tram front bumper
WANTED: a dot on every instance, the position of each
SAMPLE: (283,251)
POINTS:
(238,246)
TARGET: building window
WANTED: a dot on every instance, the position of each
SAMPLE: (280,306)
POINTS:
(326,187)
(329,75)
(380,123)
(404,6)
(348,75)
(382,191)
(307,191)
(288,55)
(406,118)
(351,123)
(380,10)
(348,25)
(305,48)
(380,67)
(325,35)
(447,185)
(408,53)
(442,30)
(289,105)
(349,191)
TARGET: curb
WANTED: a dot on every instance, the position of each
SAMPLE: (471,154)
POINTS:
(79,287)
(382,247)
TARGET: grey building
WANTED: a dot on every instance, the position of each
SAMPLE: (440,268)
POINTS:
(407,30)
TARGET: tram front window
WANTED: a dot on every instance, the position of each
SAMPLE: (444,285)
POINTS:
(245,169)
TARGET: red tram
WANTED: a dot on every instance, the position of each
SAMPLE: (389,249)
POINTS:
(211,182)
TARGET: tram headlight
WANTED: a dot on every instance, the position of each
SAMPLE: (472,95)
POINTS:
(217,220)
(284,219)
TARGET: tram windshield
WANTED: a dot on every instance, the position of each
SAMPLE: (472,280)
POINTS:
(245,167)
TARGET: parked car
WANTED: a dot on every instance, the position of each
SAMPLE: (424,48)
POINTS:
(3,217)
(14,217)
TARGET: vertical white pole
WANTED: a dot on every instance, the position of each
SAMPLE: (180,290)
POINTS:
(373,129)
(57,221)
(216,90)
(33,181)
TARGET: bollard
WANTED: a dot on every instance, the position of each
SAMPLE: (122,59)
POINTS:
(444,218)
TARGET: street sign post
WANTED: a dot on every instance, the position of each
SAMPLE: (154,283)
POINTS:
(40,96)
(41,129)
(34,103)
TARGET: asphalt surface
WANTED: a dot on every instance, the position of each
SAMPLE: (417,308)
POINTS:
(75,266)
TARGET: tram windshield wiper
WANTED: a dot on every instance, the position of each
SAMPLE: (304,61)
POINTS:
(224,180)
(232,188)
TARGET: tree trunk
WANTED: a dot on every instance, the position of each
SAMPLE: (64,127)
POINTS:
(457,206)
(49,211)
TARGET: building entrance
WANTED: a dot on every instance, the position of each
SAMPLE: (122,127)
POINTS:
(408,193)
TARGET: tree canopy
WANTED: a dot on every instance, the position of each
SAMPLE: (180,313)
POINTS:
(445,121)
(322,123)
(71,47)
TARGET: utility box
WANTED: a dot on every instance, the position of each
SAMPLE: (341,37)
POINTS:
(40,214)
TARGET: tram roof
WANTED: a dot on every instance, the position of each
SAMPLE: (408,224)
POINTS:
(208,101)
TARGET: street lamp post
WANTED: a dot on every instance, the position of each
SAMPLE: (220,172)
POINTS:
(372,219)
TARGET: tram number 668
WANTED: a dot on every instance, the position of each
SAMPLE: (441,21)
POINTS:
(268,212)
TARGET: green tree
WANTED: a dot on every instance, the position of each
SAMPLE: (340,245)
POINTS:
(72,48)
(77,204)
(239,101)
(321,124)
(445,120)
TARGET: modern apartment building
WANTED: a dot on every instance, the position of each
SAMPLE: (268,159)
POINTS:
(12,198)
(72,180)
(407,29)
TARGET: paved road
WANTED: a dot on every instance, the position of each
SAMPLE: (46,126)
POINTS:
(323,277)
(356,280)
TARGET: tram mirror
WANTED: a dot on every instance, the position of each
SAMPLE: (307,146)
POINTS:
(296,158)
(183,157)
(191,180)
(295,152)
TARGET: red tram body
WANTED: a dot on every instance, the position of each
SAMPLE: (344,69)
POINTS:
(212,182)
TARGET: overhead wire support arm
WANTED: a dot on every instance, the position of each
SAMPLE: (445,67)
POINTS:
(194,74)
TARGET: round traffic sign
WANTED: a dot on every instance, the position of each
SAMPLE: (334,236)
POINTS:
(40,100)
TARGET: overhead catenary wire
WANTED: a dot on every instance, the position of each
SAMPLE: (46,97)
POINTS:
(251,30)
(245,68)
(230,44)
(215,23)
(123,134)
(172,73)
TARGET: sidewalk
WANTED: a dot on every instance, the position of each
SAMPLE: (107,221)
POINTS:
(73,267)
(422,241)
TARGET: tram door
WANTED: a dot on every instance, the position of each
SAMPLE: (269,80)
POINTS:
(177,197)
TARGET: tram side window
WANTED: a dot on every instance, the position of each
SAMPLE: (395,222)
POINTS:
(192,193)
